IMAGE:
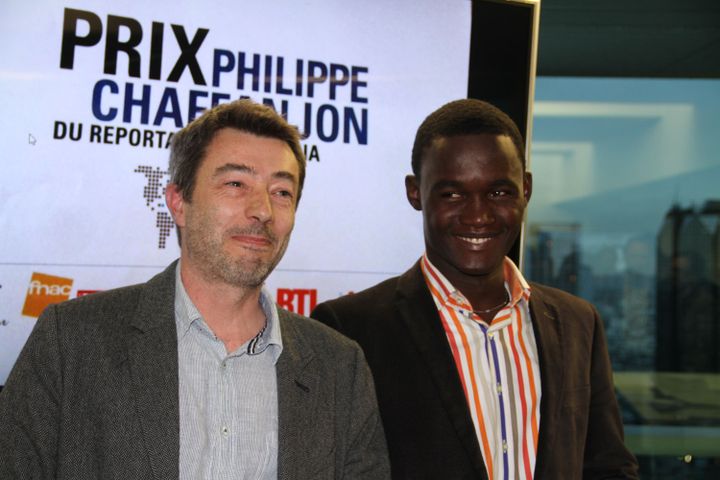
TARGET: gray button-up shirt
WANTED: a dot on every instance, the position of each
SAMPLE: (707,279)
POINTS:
(228,402)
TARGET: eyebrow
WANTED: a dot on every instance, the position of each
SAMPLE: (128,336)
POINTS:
(440,184)
(242,168)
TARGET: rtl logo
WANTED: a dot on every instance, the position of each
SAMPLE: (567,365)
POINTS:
(298,300)
(82,293)
(45,290)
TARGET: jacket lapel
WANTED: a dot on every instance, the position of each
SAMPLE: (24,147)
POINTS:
(152,353)
(296,387)
(549,338)
(418,311)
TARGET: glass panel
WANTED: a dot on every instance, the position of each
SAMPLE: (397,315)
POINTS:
(626,214)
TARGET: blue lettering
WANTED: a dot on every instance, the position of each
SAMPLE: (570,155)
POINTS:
(321,123)
(220,66)
(279,78)
(336,81)
(216,97)
(194,109)
(354,97)
(97,100)
(143,102)
(361,130)
(243,70)
(169,108)
(313,78)
(268,73)
(283,105)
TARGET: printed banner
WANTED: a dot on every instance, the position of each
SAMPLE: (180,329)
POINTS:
(93,93)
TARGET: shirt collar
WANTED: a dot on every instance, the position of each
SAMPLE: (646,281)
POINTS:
(186,314)
(445,294)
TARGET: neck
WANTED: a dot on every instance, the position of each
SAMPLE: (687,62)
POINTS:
(486,303)
(482,291)
(233,313)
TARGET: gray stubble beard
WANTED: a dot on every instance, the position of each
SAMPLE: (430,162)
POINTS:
(216,266)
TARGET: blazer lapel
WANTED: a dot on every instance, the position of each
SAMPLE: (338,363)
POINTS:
(419,313)
(296,387)
(549,339)
(152,353)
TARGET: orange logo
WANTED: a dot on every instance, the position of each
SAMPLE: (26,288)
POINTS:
(45,290)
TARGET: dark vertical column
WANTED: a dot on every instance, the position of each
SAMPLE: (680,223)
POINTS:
(500,61)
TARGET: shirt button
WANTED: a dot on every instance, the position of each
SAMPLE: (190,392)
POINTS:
(223,364)
(491,336)
(225,431)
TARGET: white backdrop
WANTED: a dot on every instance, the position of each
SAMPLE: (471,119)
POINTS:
(77,209)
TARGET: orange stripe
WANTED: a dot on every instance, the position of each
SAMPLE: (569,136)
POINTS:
(531,381)
(500,319)
(450,335)
(476,396)
(459,338)
(428,270)
(455,353)
(458,364)
(523,404)
(447,297)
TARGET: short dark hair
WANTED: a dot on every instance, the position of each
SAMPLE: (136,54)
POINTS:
(464,117)
(189,144)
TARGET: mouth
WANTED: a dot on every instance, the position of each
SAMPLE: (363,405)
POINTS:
(255,242)
(477,240)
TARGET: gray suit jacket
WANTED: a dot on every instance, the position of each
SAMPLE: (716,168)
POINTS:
(94,395)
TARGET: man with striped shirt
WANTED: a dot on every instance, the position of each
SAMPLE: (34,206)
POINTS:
(480,374)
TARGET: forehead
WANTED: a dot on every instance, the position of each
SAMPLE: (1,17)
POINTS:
(263,154)
(471,155)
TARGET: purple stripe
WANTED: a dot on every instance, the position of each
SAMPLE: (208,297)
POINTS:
(502,409)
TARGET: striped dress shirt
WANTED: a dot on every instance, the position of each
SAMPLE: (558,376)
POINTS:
(499,371)
(228,401)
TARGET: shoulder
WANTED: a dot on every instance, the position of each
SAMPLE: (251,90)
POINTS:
(331,352)
(559,300)
(109,312)
(101,302)
(108,309)
(375,298)
(312,333)
(119,302)
(577,317)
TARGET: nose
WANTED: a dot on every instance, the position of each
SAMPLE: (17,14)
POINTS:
(259,206)
(477,211)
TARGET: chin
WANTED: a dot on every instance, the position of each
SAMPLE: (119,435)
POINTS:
(479,269)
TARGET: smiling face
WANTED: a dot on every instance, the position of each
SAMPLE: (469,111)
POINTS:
(237,225)
(473,192)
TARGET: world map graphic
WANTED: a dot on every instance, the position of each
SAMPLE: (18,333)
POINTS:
(154,195)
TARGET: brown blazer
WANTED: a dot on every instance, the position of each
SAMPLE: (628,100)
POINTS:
(427,423)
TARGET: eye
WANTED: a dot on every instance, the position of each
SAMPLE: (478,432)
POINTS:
(235,183)
(284,194)
(501,192)
(451,195)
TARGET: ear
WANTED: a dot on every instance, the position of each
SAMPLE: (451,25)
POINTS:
(175,203)
(527,186)
(412,190)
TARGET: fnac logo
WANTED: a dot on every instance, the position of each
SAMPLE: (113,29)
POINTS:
(298,300)
(45,290)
